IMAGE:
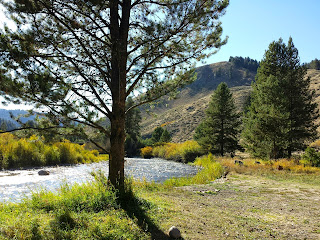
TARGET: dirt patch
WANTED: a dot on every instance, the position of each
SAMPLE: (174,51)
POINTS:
(246,207)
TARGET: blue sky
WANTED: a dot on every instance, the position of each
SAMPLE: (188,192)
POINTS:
(253,24)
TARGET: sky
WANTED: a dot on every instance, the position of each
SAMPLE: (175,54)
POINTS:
(252,25)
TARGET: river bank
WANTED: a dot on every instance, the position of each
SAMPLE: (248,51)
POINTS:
(246,204)
(17,184)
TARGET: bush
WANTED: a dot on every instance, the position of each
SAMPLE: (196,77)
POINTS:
(172,152)
(52,155)
(146,152)
(30,152)
(182,152)
(67,153)
(3,163)
(24,154)
(211,169)
(190,150)
(312,156)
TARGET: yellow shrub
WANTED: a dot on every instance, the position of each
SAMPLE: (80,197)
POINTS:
(5,140)
(190,150)
(185,152)
(286,164)
(32,151)
(210,171)
(146,152)
(24,154)
(159,151)
(315,144)
(172,151)
(304,169)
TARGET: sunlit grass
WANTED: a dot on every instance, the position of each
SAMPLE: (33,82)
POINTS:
(93,210)
(281,169)
(86,211)
(209,170)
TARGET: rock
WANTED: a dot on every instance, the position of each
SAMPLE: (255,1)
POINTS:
(43,172)
(174,232)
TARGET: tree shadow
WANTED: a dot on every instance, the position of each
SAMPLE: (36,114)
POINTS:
(136,209)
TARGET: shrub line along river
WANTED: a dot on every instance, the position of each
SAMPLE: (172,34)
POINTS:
(16,184)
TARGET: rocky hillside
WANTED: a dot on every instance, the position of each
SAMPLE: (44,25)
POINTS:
(181,116)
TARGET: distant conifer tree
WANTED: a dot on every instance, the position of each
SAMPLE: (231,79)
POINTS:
(165,136)
(218,133)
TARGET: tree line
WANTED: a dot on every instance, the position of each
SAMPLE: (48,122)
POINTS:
(314,64)
(248,63)
(6,125)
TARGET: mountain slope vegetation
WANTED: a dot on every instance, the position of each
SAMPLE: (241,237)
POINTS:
(182,115)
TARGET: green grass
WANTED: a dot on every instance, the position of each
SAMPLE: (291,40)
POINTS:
(93,211)
(210,171)
(147,210)
(87,211)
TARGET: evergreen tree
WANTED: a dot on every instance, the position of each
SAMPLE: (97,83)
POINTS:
(218,133)
(132,127)
(282,113)
(314,64)
(165,136)
(246,63)
(80,60)
(156,135)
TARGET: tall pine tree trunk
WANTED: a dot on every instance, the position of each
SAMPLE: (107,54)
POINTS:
(117,119)
(119,37)
(116,161)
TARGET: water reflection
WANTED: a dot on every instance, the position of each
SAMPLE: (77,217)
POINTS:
(14,185)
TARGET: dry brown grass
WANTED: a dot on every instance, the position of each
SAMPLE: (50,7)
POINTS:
(241,207)
(254,166)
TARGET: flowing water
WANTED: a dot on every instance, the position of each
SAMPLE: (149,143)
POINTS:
(16,184)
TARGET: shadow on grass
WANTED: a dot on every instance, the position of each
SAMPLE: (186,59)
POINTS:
(137,210)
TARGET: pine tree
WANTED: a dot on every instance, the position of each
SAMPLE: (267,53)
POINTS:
(80,60)
(132,128)
(282,113)
(156,135)
(218,133)
(265,120)
(165,136)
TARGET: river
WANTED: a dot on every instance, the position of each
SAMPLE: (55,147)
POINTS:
(17,184)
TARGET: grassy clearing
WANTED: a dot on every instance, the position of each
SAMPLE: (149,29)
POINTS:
(254,201)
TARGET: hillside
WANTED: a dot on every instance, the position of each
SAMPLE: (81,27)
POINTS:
(181,116)
(5,115)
